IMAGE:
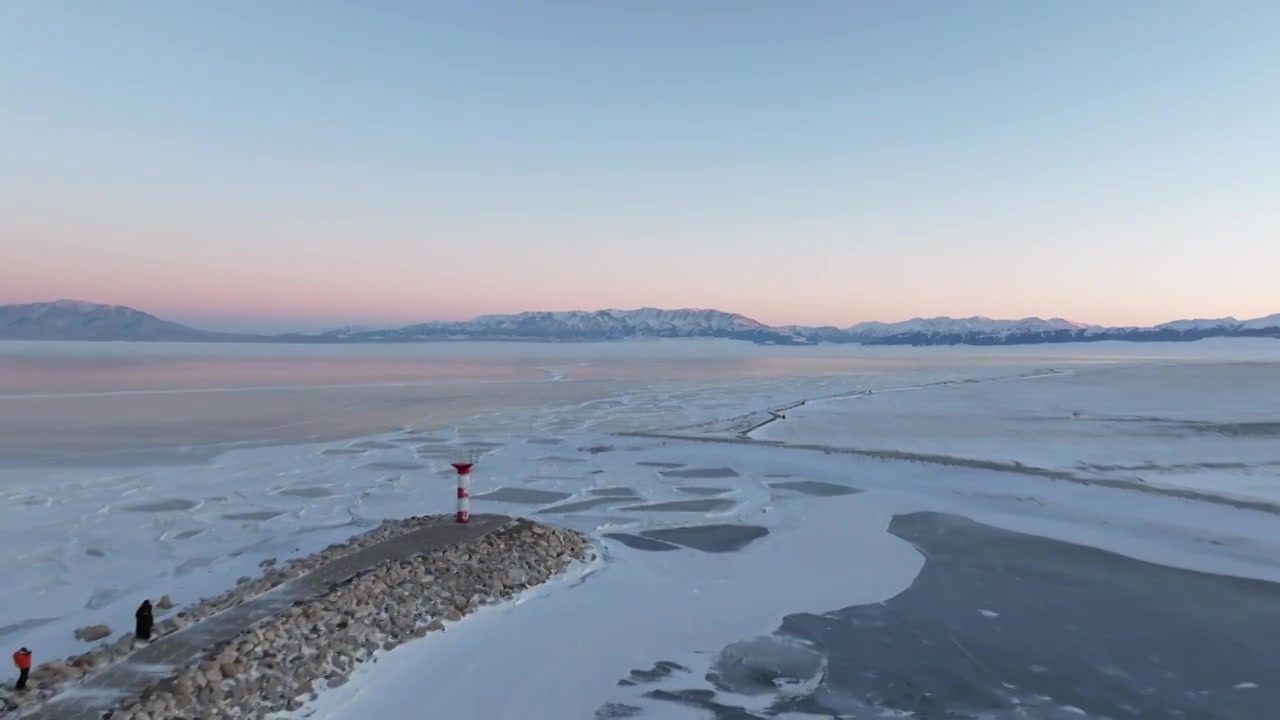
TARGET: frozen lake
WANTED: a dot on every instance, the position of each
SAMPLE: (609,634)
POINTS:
(744,574)
(132,404)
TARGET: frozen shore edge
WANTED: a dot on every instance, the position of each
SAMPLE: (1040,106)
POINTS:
(304,639)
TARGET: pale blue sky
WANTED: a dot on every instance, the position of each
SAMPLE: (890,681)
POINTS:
(293,163)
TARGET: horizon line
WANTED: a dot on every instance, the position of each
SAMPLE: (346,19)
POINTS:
(401,324)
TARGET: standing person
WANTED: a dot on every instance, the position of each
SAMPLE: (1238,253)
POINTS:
(22,661)
(145,621)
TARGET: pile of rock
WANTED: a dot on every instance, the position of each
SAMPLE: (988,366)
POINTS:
(281,663)
(274,575)
(50,678)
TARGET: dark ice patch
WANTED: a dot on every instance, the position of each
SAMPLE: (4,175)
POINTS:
(636,542)
(343,451)
(656,464)
(816,488)
(372,445)
(428,438)
(707,505)
(581,505)
(159,506)
(306,492)
(998,620)
(702,491)
(560,459)
(392,465)
(706,700)
(523,496)
(187,566)
(764,665)
(404,439)
(255,515)
(661,670)
(702,473)
(621,492)
(618,711)
(25,625)
(543,441)
(188,534)
(710,538)
(94,552)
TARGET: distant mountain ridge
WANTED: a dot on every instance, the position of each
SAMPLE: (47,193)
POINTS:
(78,320)
(580,325)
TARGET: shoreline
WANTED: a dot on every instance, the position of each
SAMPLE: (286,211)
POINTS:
(226,651)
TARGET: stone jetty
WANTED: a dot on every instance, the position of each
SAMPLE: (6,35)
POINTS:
(271,644)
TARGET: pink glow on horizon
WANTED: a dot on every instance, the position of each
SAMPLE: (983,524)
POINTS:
(426,162)
(298,303)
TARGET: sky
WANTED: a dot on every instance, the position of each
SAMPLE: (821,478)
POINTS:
(295,164)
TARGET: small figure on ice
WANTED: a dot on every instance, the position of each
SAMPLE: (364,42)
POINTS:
(145,620)
(22,661)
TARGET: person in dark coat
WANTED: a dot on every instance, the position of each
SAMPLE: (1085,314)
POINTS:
(22,661)
(144,621)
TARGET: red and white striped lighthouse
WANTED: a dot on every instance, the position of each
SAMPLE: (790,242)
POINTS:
(464,489)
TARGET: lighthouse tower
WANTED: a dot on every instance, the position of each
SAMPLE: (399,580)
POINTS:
(463,466)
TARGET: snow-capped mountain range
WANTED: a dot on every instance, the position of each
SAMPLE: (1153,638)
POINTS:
(77,320)
(577,325)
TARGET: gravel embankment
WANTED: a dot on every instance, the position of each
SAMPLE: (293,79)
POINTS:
(283,661)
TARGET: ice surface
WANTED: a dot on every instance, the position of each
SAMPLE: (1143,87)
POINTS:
(119,487)
(1209,427)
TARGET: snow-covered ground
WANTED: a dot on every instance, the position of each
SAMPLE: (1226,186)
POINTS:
(87,542)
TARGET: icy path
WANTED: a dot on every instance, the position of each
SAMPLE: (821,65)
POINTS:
(96,695)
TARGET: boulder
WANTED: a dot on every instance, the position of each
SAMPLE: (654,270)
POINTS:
(92,633)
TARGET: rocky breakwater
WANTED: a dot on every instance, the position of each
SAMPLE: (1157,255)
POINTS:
(282,663)
(53,677)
